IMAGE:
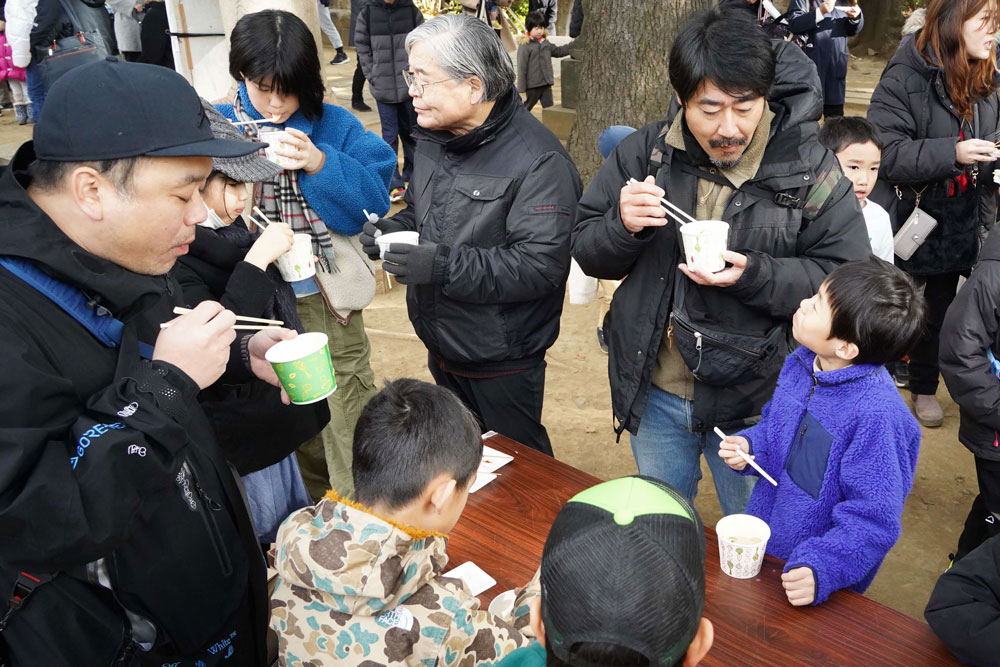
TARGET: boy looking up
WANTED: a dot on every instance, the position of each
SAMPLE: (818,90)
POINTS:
(623,581)
(360,583)
(836,434)
(858,148)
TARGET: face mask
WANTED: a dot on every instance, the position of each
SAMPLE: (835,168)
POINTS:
(213,221)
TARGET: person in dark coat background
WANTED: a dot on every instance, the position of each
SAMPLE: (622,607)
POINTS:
(938,112)
(358,82)
(964,609)
(493,199)
(156,47)
(969,336)
(379,36)
(827,28)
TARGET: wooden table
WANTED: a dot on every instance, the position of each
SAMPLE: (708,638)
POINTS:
(503,530)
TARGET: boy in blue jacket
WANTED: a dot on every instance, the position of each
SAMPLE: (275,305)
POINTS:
(836,435)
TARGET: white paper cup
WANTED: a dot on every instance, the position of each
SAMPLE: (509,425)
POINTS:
(742,544)
(383,241)
(503,604)
(704,243)
(297,263)
(274,139)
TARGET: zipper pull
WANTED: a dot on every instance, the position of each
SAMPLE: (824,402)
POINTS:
(697,341)
(996,438)
(670,337)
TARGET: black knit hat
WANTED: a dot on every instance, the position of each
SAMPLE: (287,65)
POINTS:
(624,564)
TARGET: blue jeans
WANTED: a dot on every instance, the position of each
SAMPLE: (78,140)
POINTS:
(36,90)
(666,448)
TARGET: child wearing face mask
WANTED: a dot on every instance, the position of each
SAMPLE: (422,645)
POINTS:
(230,264)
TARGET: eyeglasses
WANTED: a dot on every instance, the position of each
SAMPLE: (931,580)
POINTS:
(417,85)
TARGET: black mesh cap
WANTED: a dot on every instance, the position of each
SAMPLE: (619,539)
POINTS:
(624,564)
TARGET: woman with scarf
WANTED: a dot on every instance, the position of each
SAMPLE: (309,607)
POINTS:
(333,171)
(938,112)
(230,264)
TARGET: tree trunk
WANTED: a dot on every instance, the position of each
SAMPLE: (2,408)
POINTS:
(624,49)
(883,22)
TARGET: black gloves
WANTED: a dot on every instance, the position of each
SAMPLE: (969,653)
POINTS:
(373,229)
(417,264)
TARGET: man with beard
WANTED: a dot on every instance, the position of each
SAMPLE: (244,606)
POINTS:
(690,350)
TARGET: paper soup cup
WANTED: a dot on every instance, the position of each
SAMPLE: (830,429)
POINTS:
(304,367)
(383,241)
(503,604)
(704,243)
(742,544)
(297,263)
(273,139)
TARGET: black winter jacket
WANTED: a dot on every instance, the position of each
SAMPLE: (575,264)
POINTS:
(380,38)
(920,128)
(827,45)
(107,458)
(534,63)
(501,199)
(964,609)
(576,19)
(253,427)
(971,327)
(787,259)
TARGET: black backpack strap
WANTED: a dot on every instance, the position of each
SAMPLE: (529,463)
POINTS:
(656,154)
(24,586)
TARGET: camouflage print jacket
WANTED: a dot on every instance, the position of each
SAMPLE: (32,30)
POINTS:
(356,589)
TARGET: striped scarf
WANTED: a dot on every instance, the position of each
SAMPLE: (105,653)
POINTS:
(282,199)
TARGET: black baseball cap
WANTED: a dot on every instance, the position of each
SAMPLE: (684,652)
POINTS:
(110,109)
(624,565)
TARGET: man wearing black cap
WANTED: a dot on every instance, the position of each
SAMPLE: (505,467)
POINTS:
(123,536)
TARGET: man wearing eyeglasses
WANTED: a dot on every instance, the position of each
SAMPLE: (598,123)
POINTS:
(493,198)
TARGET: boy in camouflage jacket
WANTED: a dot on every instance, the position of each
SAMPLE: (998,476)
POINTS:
(360,583)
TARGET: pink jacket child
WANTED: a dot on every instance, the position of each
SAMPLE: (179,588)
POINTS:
(7,68)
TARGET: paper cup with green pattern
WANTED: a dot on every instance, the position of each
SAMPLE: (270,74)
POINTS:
(297,263)
(704,243)
(304,367)
(742,543)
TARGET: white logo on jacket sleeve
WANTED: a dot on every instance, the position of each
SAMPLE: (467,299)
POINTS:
(400,617)
(136,449)
(129,410)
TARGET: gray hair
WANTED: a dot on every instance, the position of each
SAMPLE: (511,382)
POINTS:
(465,47)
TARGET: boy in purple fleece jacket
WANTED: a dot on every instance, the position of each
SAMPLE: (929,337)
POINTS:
(836,434)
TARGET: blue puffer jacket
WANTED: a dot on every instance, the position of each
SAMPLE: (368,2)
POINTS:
(843,446)
(356,173)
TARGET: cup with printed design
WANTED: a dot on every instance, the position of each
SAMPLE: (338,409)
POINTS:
(297,263)
(742,544)
(304,367)
(274,139)
(704,243)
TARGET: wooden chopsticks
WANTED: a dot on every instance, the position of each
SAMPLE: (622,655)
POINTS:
(262,323)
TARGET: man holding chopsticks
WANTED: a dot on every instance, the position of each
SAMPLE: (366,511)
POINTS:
(689,349)
(123,535)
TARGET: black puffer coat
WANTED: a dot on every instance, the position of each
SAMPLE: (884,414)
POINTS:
(920,128)
(971,327)
(501,198)
(787,259)
(964,608)
(380,38)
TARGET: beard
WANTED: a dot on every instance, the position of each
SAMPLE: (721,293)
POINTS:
(727,163)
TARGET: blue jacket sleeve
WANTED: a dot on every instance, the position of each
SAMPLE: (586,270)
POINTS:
(355,175)
(876,473)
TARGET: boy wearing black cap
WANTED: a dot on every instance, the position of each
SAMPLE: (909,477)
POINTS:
(633,530)
(124,538)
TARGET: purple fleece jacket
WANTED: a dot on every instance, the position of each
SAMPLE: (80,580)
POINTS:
(843,447)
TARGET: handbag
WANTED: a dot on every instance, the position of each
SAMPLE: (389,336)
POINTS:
(68,53)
